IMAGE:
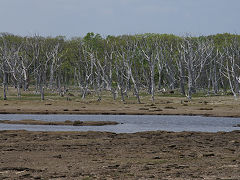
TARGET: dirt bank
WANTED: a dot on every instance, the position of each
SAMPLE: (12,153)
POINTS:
(221,106)
(62,123)
(102,155)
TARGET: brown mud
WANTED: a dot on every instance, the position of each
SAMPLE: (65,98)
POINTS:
(57,123)
(103,155)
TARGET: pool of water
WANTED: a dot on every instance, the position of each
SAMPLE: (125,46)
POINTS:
(128,123)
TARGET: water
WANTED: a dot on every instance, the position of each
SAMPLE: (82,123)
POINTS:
(128,123)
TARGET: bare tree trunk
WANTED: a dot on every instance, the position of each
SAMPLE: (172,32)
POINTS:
(51,77)
(42,92)
(19,89)
(4,86)
(190,80)
(215,78)
(85,89)
(120,84)
(230,82)
(209,80)
(159,80)
(182,81)
(152,81)
(135,89)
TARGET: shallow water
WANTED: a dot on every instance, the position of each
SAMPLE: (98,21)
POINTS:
(128,123)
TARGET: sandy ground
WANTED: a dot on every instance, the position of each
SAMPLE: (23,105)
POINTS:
(102,155)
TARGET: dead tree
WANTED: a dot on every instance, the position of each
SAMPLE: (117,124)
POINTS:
(105,69)
(15,66)
(127,54)
(150,54)
(232,68)
(195,55)
(55,56)
(40,63)
(121,78)
(12,62)
(168,54)
(26,62)
(35,54)
(181,70)
(84,68)
(4,54)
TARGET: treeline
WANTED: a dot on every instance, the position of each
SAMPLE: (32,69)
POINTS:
(121,64)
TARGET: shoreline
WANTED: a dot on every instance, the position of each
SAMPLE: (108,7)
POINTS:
(59,123)
(117,113)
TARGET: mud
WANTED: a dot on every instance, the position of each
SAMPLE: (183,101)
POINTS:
(57,123)
(102,155)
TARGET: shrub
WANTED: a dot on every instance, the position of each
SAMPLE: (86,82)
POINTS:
(77,123)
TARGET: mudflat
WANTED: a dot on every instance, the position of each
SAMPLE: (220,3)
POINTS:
(104,155)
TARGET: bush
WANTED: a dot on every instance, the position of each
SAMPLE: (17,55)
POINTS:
(77,123)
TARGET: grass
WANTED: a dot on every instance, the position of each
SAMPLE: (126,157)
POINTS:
(77,123)
(87,178)
(106,95)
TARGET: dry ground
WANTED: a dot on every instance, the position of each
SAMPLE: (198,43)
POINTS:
(72,103)
(208,106)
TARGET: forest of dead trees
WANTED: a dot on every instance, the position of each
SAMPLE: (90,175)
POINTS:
(121,64)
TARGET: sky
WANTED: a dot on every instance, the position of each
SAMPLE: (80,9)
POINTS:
(74,18)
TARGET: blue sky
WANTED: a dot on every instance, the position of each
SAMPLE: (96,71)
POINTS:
(115,17)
